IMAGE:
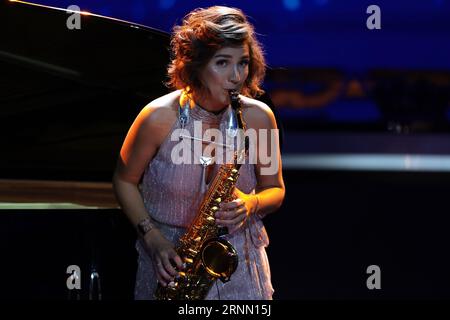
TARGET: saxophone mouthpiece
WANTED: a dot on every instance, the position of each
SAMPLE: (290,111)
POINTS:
(234,98)
(233,94)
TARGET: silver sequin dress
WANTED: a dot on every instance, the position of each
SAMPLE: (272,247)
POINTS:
(171,194)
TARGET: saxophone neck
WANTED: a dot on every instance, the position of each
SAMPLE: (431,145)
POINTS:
(236,106)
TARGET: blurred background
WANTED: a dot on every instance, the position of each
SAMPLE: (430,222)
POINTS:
(365,123)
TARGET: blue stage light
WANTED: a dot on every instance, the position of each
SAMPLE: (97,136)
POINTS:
(292,5)
(166,4)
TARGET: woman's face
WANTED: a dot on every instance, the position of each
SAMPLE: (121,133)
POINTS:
(226,70)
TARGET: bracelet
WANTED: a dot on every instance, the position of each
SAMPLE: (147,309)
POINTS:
(257,206)
(145,226)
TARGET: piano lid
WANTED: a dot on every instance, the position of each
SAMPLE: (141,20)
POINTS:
(68,97)
(105,52)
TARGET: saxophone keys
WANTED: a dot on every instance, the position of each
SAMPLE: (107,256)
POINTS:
(218,200)
(210,219)
(214,209)
(188,260)
(231,179)
(192,251)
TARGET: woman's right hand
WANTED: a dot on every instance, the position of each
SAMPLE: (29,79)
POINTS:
(162,253)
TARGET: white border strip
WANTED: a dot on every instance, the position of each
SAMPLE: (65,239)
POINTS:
(43,206)
(369,162)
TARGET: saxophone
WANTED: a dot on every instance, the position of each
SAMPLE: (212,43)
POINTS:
(206,255)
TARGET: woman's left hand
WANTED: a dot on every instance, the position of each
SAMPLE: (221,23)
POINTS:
(233,214)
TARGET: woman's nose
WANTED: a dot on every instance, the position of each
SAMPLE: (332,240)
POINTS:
(235,76)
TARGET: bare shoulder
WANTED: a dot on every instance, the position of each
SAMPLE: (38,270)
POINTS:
(257,114)
(157,118)
(162,109)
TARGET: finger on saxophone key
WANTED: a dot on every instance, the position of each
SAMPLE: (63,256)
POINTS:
(179,263)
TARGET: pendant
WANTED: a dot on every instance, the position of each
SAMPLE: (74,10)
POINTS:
(205,161)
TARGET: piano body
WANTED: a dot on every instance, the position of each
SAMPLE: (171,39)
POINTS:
(67,99)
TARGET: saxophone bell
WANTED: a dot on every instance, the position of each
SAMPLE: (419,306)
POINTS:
(219,258)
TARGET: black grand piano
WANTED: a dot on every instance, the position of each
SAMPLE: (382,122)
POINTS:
(67,99)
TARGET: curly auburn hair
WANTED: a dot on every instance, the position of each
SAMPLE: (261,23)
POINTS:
(202,33)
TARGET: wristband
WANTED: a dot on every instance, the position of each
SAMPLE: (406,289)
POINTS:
(145,226)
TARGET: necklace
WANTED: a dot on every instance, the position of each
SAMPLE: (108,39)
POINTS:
(184,106)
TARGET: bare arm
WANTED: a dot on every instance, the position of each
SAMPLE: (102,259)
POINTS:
(138,149)
(141,144)
(270,189)
(130,199)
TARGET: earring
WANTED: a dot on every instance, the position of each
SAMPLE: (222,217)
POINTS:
(231,126)
(184,114)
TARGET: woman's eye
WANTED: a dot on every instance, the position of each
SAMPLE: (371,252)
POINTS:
(221,63)
(244,63)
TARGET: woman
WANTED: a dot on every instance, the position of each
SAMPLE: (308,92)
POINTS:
(215,50)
